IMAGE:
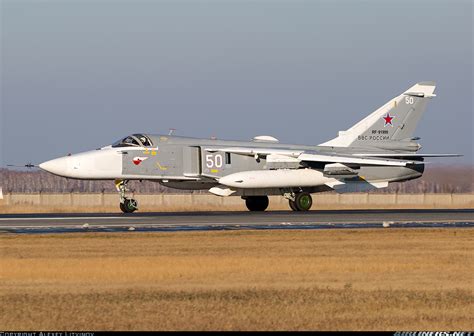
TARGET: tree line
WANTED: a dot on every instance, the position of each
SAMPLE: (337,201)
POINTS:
(436,179)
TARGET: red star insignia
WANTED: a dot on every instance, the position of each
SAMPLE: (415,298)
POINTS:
(388,119)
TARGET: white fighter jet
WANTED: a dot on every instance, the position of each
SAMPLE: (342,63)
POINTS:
(377,150)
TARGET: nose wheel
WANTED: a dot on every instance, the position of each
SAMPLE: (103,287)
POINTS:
(127,205)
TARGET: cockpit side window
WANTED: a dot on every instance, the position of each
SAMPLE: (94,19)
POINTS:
(127,142)
(131,141)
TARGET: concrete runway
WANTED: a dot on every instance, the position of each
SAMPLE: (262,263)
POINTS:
(203,221)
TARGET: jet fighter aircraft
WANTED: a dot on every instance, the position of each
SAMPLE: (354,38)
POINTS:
(377,150)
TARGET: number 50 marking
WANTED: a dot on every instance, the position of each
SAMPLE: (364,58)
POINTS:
(409,100)
(214,161)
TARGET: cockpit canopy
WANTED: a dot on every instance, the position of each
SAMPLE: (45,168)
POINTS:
(134,140)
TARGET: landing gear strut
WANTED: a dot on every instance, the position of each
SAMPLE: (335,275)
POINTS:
(301,201)
(256,203)
(127,205)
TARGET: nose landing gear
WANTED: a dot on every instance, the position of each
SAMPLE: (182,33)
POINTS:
(127,205)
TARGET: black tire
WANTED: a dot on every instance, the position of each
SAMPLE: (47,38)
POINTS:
(257,203)
(293,205)
(303,201)
(129,205)
(122,207)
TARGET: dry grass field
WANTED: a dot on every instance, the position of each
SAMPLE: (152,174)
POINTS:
(385,279)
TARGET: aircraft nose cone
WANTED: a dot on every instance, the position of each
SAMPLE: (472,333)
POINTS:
(56,166)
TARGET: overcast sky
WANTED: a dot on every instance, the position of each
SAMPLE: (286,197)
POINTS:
(76,75)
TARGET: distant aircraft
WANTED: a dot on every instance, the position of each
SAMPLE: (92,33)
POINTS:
(374,152)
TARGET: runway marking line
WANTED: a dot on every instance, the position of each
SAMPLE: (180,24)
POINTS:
(251,225)
(58,218)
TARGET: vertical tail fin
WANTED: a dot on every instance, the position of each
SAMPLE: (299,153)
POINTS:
(393,122)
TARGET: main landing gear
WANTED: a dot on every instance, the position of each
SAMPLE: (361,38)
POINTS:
(127,205)
(256,203)
(301,201)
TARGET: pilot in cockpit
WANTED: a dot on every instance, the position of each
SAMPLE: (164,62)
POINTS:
(144,140)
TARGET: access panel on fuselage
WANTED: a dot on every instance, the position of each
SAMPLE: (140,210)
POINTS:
(191,161)
(218,164)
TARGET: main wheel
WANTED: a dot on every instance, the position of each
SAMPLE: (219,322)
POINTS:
(303,201)
(256,203)
(129,205)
